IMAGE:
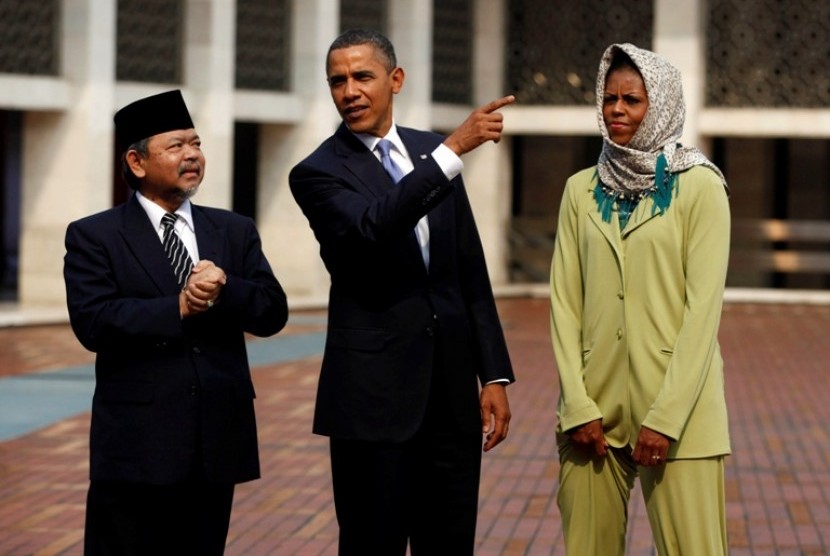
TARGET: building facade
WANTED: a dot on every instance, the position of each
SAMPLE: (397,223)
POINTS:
(756,79)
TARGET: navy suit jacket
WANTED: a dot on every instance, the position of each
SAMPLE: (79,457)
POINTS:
(387,314)
(170,393)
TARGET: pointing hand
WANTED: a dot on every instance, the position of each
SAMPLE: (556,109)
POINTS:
(482,125)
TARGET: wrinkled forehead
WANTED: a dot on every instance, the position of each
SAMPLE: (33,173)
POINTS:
(163,139)
(656,71)
(365,50)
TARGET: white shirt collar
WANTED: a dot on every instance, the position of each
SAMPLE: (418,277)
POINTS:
(156,212)
(371,141)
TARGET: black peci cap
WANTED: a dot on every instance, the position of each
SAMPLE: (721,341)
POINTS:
(150,116)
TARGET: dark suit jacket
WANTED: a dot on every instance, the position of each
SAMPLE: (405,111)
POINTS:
(170,393)
(386,312)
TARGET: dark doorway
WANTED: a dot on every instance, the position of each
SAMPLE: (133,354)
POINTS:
(541,166)
(245,168)
(11,124)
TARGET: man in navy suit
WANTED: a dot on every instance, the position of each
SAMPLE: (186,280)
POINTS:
(173,427)
(413,327)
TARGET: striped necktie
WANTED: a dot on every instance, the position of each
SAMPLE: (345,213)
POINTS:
(175,249)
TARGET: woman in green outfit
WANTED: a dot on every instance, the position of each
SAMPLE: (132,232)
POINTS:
(637,284)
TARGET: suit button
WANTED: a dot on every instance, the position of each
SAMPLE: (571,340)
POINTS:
(194,390)
(197,350)
(430,331)
(620,294)
(619,333)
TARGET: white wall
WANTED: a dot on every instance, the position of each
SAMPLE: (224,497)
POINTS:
(68,133)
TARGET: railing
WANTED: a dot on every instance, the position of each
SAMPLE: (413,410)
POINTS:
(761,248)
(531,248)
(781,246)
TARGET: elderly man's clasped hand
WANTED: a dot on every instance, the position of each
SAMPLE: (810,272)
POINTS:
(202,289)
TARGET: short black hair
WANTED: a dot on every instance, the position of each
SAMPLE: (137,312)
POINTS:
(376,39)
(619,60)
(126,173)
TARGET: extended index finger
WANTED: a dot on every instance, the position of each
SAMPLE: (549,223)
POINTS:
(494,105)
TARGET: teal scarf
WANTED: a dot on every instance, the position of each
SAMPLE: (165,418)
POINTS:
(626,201)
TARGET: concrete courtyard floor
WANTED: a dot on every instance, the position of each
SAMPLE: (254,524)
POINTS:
(778,478)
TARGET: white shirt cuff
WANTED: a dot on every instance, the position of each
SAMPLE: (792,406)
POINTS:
(449,162)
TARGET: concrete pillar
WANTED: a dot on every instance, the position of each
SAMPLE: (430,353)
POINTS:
(410,30)
(487,175)
(209,58)
(287,238)
(67,156)
(488,169)
(680,36)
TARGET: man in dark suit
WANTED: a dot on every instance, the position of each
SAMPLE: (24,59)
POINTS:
(412,324)
(173,427)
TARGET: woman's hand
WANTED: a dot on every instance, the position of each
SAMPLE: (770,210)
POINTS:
(651,449)
(589,437)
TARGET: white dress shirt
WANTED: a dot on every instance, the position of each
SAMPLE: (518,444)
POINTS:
(183,227)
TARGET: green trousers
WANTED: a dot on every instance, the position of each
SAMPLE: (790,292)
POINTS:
(685,502)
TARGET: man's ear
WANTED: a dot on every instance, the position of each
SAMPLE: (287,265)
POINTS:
(134,161)
(397,79)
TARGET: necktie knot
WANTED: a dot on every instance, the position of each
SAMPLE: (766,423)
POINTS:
(384,147)
(168,221)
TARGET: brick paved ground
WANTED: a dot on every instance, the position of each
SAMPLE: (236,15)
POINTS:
(778,479)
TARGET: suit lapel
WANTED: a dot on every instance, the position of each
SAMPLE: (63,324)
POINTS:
(643,212)
(144,243)
(208,236)
(610,230)
(417,149)
(369,176)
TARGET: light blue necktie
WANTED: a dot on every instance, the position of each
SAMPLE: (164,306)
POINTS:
(395,172)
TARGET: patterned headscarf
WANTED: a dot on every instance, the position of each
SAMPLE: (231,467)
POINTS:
(638,169)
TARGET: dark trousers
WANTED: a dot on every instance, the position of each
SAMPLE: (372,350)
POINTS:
(136,519)
(424,490)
